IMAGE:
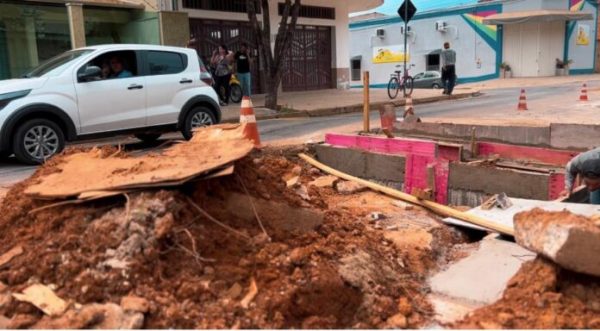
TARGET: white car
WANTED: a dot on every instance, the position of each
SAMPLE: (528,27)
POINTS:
(104,91)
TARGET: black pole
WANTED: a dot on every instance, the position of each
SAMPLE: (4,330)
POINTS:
(405,40)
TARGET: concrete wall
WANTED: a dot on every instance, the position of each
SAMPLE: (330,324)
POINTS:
(340,63)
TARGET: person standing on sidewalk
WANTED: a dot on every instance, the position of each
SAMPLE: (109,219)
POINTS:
(587,167)
(448,68)
(222,60)
(242,65)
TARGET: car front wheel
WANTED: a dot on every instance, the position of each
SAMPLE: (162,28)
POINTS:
(436,86)
(198,117)
(37,140)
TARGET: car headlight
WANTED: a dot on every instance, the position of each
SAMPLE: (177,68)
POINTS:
(6,98)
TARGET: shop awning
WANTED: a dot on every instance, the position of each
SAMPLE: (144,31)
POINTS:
(536,16)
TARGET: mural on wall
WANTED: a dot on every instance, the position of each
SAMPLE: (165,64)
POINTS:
(488,32)
(583,34)
(576,5)
(389,54)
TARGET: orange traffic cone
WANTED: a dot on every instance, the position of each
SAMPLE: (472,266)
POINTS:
(247,116)
(584,95)
(408,107)
(522,101)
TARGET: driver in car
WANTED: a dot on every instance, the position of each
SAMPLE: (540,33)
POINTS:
(117,68)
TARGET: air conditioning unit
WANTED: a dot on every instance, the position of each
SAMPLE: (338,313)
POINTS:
(441,26)
(380,33)
(407,31)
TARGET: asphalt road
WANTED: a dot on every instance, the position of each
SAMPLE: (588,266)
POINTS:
(299,130)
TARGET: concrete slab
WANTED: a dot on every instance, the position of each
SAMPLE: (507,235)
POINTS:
(505,217)
(477,280)
(574,136)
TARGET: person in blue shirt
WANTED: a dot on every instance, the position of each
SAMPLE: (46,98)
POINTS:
(117,68)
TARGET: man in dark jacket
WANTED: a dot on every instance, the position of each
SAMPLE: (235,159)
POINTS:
(587,166)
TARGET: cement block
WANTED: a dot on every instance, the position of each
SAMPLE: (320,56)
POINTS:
(572,241)
(375,166)
(574,136)
(518,184)
(479,279)
(522,135)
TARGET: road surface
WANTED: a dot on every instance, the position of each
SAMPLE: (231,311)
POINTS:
(495,103)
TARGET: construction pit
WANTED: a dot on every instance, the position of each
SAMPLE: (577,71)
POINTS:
(246,238)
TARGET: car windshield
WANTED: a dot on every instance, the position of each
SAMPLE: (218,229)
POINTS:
(57,64)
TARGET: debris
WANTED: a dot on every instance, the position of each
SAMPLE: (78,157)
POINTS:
(163,226)
(423,194)
(570,240)
(210,149)
(94,316)
(392,228)
(376,216)
(134,303)
(292,181)
(501,201)
(252,292)
(234,291)
(347,187)
(43,298)
(324,181)
(397,321)
(14,252)
(302,191)
(403,205)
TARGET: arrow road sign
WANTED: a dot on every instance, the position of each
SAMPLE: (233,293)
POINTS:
(407,10)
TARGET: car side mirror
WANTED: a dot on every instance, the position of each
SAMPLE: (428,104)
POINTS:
(89,74)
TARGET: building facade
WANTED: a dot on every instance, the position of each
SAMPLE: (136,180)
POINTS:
(318,57)
(529,36)
(34,31)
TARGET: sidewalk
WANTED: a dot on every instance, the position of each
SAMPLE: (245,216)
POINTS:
(332,102)
(531,82)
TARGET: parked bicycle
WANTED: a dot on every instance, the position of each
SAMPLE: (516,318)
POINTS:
(399,81)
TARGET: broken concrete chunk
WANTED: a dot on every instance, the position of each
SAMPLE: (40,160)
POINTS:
(324,181)
(134,303)
(302,191)
(292,181)
(346,187)
(376,216)
(43,298)
(403,205)
(570,240)
(14,252)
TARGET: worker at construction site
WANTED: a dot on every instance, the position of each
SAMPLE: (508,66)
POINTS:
(587,167)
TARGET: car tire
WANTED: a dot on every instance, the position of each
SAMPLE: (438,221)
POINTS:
(148,137)
(37,140)
(436,86)
(196,118)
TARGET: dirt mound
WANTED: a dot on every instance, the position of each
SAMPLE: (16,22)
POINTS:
(542,296)
(197,257)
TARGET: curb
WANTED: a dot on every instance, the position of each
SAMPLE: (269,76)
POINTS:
(359,107)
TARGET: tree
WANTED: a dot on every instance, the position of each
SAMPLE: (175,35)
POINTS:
(273,58)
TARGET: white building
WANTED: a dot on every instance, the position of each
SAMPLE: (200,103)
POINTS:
(528,35)
(319,56)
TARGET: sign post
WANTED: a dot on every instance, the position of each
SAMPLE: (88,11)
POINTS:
(406,11)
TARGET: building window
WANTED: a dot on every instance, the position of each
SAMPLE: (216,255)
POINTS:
(29,35)
(235,6)
(355,67)
(120,26)
(327,13)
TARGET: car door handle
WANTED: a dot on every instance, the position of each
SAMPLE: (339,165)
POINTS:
(135,87)
(185,81)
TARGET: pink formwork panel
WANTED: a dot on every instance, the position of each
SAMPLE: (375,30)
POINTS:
(420,154)
(556,184)
(535,154)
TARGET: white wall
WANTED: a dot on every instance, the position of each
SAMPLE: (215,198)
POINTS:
(471,49)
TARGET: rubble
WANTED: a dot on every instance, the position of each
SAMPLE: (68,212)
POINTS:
(570,240)
(347,187)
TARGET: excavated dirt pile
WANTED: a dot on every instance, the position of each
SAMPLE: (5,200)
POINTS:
(197,257)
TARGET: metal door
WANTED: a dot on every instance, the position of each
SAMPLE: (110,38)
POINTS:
(212,33)
(308,63)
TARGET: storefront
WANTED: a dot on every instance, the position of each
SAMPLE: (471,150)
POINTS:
(32,32)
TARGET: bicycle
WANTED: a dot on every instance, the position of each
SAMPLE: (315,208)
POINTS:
(399,81)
